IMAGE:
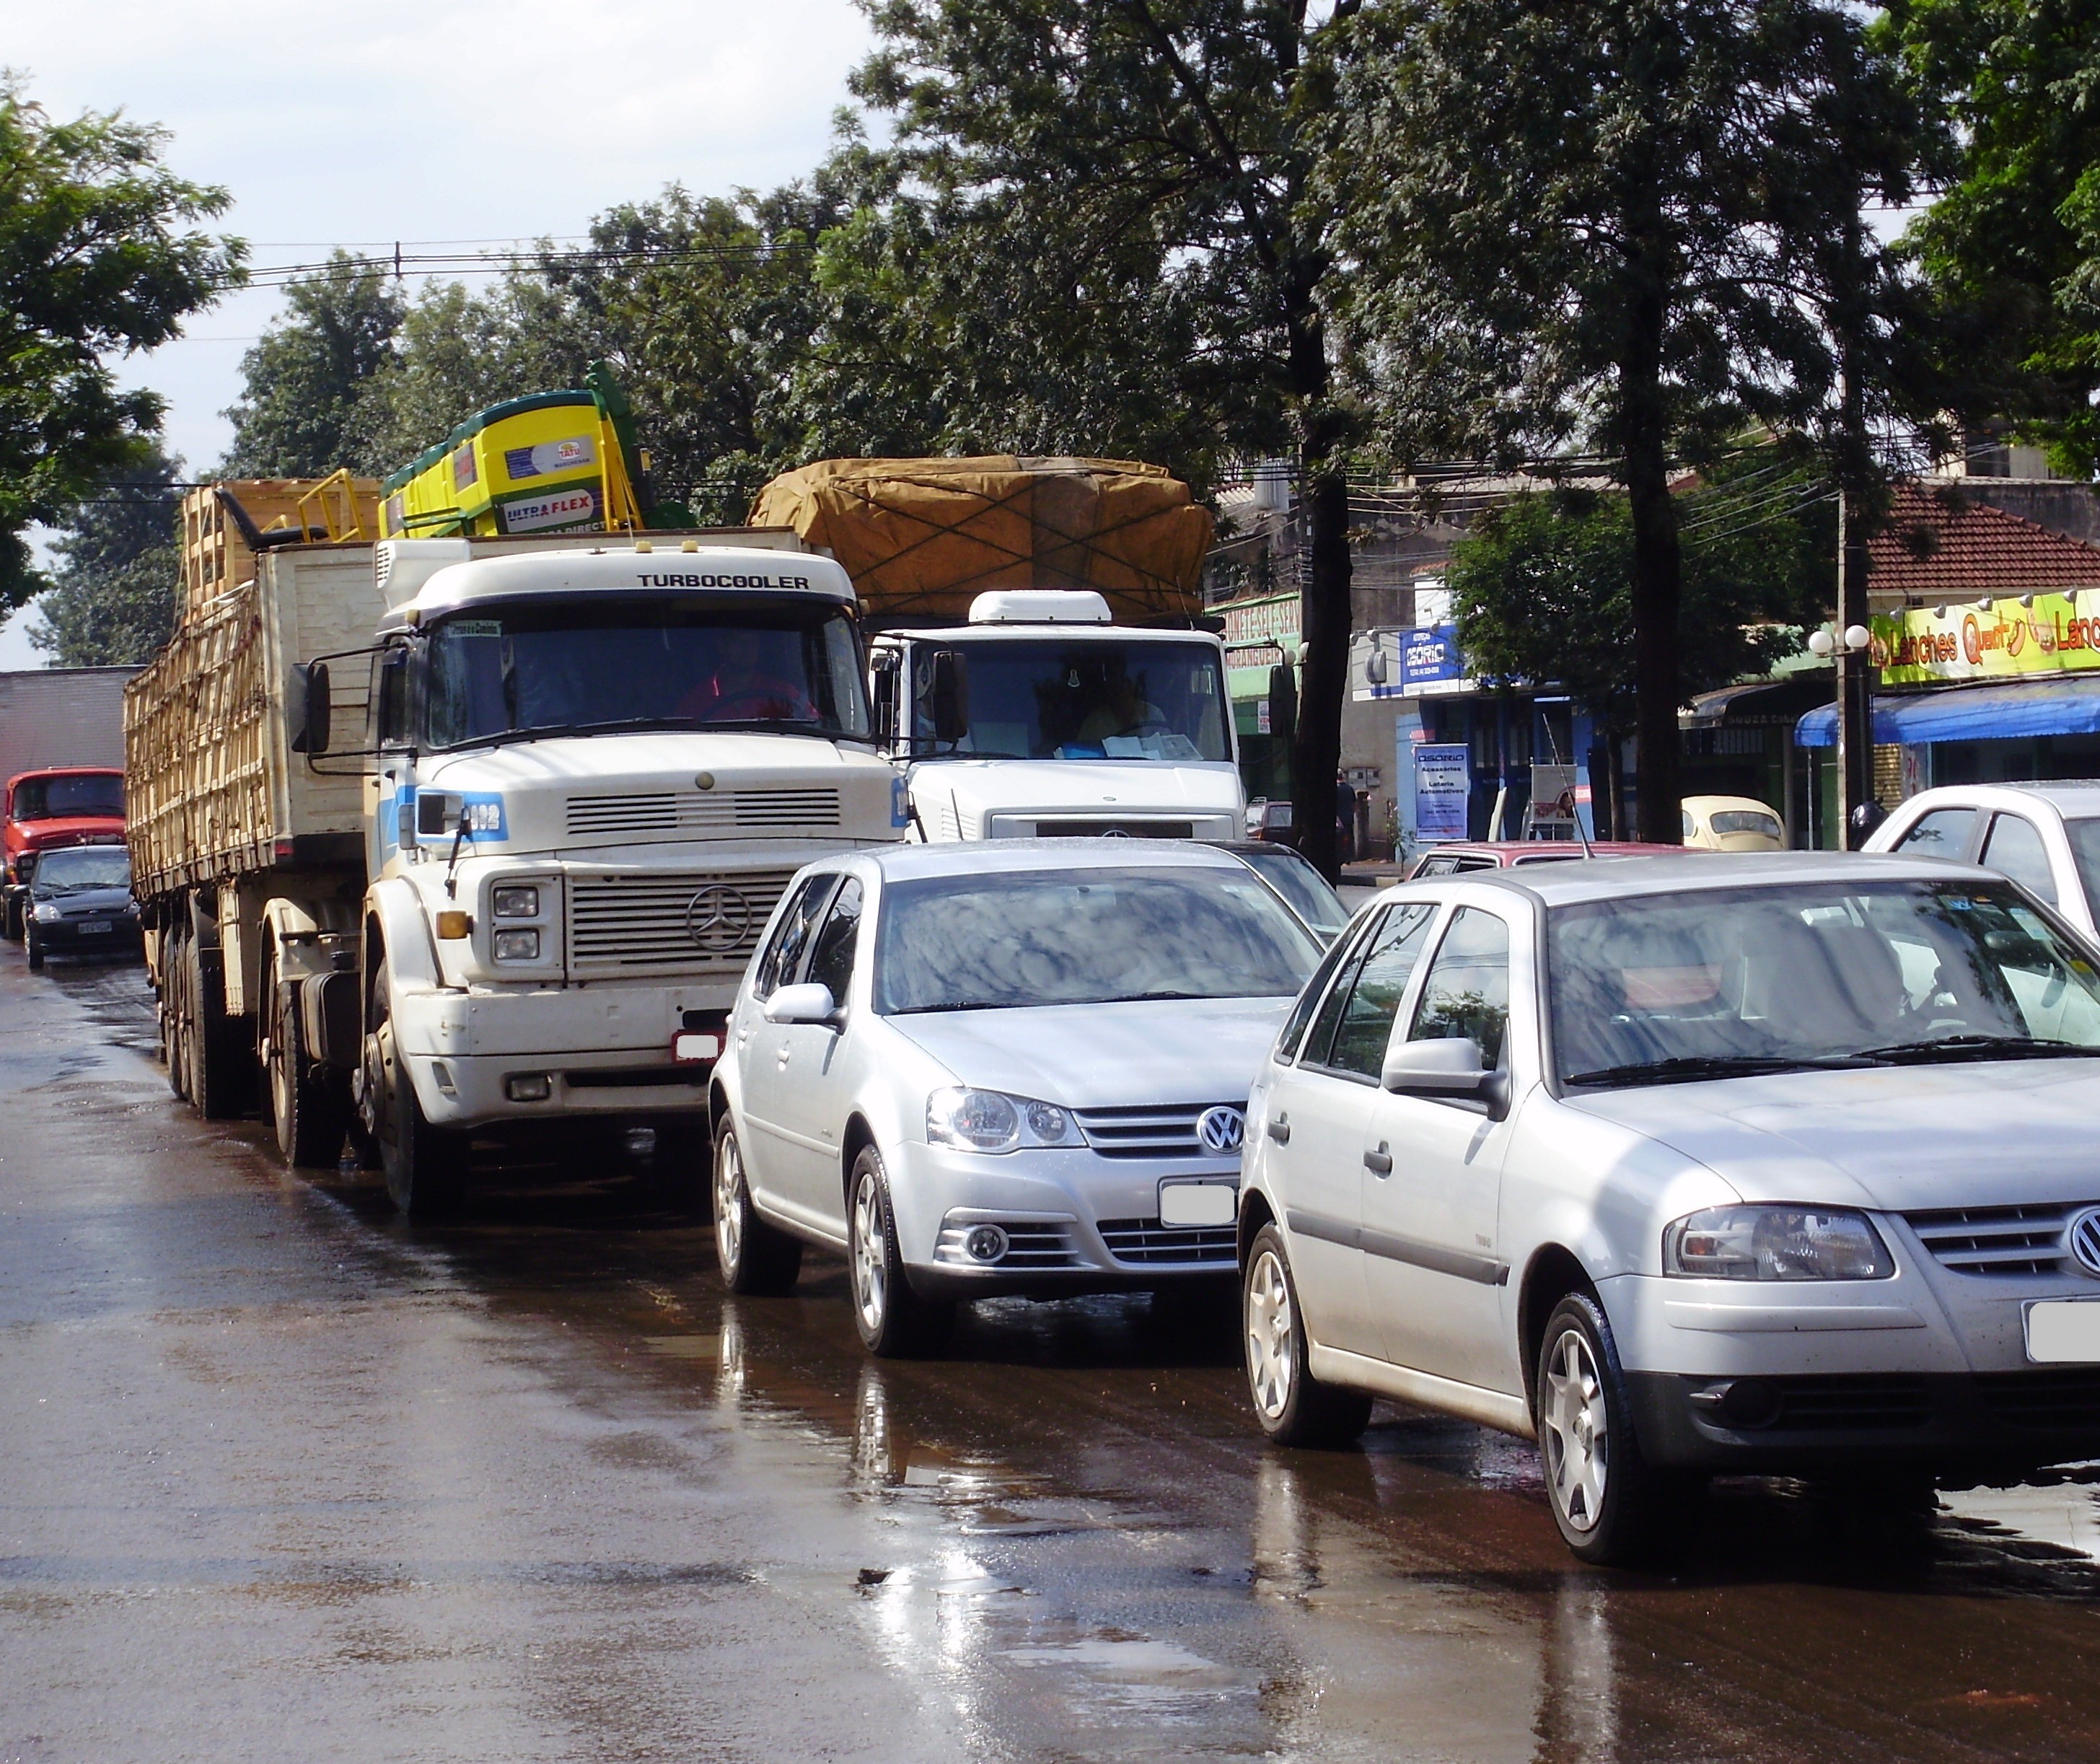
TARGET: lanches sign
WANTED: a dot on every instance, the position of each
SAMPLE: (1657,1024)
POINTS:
(1923,645)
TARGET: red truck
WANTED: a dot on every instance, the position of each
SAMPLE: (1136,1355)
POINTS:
(45,809)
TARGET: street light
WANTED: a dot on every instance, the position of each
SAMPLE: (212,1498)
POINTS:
(1858,728)
(1823,643)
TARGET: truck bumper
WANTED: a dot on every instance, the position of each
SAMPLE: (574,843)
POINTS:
(482,1058)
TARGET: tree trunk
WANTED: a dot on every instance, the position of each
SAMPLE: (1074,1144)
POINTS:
(1657,584)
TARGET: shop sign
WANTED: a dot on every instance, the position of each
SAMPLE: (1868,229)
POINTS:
(1430,661)
(1922,644)
(1443,787)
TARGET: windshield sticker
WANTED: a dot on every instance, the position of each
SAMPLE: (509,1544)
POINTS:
(476,628)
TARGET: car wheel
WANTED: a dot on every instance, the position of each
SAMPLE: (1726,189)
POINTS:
(426,1167)
(33,945)
(1611,1504)
(1293,1407)
(893,1320)
(305,1109)
(757,1259)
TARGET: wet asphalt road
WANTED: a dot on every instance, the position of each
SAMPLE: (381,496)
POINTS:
(283,1479)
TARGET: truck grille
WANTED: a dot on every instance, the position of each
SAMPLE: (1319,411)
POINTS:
(701,812)
(1162,1130)
(1995,1240)
(627,923)
(1148,1242)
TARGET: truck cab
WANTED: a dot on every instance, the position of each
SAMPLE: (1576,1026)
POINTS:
(1041,719)
(45,809)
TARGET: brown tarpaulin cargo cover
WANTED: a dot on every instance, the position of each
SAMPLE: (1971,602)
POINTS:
(922,538)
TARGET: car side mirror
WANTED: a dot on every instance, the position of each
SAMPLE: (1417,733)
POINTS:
(810,1002)
(319,711)
(1451,1069)
(947,697)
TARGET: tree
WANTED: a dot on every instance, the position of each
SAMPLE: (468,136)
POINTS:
(2014,242)
(99,257)
(1630,229)
(1100,140)
(304,409)
(1541,589)
(113,597)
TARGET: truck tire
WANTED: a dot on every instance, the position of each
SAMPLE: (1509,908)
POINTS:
(33,945)
(219,1066)
(680,1169)
(13,908)
(305,1109)
(173,1048)
(426,1167)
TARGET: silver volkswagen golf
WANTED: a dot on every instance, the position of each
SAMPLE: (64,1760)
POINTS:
(1689,1165)
(1007,1067)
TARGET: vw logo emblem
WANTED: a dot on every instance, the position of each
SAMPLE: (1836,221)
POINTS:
(718,918)
(2082,1238)
(1221,1130)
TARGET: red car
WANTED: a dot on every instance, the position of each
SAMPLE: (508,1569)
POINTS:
(1499,854)
(42,811)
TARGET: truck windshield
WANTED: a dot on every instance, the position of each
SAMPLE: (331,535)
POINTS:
(1052,700)
(54,799)
(515,666)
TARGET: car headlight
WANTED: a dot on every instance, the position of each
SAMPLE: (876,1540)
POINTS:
(991,1121)
(516,903)
(516,945)
(1775,1243)
(45,912)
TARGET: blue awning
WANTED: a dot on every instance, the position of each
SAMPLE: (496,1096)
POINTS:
(1970,713)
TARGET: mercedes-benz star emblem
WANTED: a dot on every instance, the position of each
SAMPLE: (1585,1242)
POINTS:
(2082,1238)
(1221,1130)
(718,918)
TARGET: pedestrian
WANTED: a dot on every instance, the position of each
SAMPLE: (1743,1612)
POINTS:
(1345,819)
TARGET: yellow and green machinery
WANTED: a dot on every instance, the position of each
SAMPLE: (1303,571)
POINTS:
(551,462)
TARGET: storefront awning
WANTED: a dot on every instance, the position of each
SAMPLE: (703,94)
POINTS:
(1970,713)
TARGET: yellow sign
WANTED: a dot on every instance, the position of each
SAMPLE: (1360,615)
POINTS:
(2057,634)
(534,464)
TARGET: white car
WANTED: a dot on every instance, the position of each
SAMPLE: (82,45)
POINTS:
(1688,1166)
(2046,837)
(1007,1067)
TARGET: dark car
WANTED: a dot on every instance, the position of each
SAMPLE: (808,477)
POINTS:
(80,900)
(1304,890)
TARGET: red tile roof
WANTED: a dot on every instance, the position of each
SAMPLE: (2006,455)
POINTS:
(1938,545)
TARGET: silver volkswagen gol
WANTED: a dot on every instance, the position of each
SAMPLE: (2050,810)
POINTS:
(1014,1066)
(1687,1165)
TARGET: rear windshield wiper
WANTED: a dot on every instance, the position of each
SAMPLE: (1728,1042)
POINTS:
(1687,1069)
(1980,1048)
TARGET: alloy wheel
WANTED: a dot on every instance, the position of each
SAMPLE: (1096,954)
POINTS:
(1576,1433)
(870,1252)
(729,1202)
(1271,1334)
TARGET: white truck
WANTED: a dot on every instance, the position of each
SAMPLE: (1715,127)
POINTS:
(502,867)
(1040,719)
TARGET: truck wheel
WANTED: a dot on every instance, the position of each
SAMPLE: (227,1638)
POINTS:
(13,928)
(304,1108)
(680,1168)
(756,1259)
(219,1066)
(33,945)
(425,1165)
(893,1320)
(173,1048)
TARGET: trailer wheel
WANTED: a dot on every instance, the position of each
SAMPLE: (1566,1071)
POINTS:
(305,1109)
(219,1066)
(174,1048)
(425,1165)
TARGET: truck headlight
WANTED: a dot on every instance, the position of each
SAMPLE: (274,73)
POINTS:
(991,1121)
(1775,1243)
(517,946)
(516,903)
(45,912)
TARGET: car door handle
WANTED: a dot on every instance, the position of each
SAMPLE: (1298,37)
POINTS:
(1279,1130)
(1378,1163)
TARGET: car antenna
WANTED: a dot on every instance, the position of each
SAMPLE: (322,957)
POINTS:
(1567,807)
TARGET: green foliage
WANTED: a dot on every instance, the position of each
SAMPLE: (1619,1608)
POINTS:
(99,257)
(113,597)
(2014,242)
(304,410)
(1542,587)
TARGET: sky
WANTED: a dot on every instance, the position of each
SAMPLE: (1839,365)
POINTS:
(426,121)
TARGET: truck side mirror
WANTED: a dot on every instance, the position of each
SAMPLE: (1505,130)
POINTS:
(319,711)
(883,682)
(1283,702)
(948,697)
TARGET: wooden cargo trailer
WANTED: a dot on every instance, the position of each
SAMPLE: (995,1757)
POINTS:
(245,860)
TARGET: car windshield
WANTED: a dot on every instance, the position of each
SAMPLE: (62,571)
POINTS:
(1005,939)
(54,799)
(1300,884)
(1082,700)
(1653,988)
(83,866)
(664,660)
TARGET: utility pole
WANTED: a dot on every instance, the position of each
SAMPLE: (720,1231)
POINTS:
(1857,811)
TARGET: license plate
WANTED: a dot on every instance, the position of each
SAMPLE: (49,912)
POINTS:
(89,927)
(2060,1330)
(1198,1203)
(692,1047)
